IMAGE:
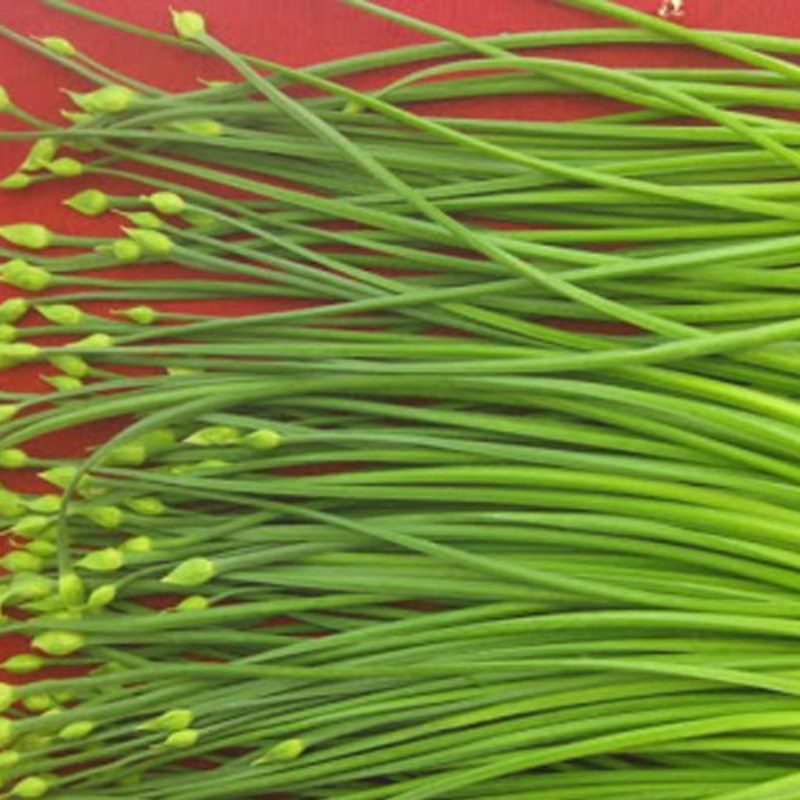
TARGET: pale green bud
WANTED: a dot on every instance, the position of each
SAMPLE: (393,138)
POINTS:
(8,411)
(188,24)
(32,525)
(42,548)
(142,315)
(137,544)
(9,759)
(152,242)
(10,504)
(36,703)
(264,439)
(126,455)
(12,353)
(198,219)
(23,663)
(62,313)
(71,365)
(95,341)
(195,602)
(108,559)
(21,561)
(76,116)
(13,309)
(29,586)
(287,750)
(107,100)
(8,333)
(176,719)
(126,250)
(7,696)
(65,167)
(71,590)
(58,45)
(44,503)
(91,202)
(76,730)
(58,643)
(5,100)
(24,276)
(166,202)
(13,458)
(6,731)
(16,180)
(61,476)
(40,155)
(102,596)
(27,234)
(149,506)
(109,517)
(198,127)
(63,383)
(158,439)
(144,219)
(191,572)
(31,787)
(215,435)
(182,739)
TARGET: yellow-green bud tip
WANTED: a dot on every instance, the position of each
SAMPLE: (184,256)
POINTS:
(58,643)
(191,572)
(188,24)
(58,45)
(91,202)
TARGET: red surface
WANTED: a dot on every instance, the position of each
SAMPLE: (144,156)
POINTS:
(296,32)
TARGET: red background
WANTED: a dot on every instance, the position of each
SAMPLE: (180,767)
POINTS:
(296,32)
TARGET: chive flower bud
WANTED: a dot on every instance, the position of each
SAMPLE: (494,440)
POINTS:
(263,439)
(77,730)
(141,315)
(31,787)
(151,242)
(23,275)
(176,719)
(61,476)
(63,383)
(182,739)
(40,154)
(21,561)
(13,309)
(13,353)
(191,572)
(126,455)
(13,458)
(137,544)
(44,503)
(149,506)
(42,548)
(188,24)
(58,643)
(96,341)
(7,411)
(65,167)
(73,366)
(195,602)
(29,586)
(145,219)
(214,436)
(5,100)
(102,596)
(62,313)
(10,504)
(168,203)
(108,559)
(287,750)
(107,100)
(197,127)
(198,219)
(8,333)
(126,250)
(109,517)
(9,759)
(90,202)
(31,525)
(23,663)
(71,590)
(58,45)
(16,180)
(7,696)
(37,703)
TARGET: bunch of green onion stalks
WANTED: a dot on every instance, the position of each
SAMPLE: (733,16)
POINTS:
(504,501)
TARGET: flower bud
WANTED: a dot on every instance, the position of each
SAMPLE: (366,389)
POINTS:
(74,366)
(158,439)
(13,458)
(40,155)
(137,544)
(195,602)
(61,476)
(10,504)
(58,45)
(126,455)
(58,643)
(102,596)
(61,313)
(7,696)
(21,561)
(32,525)
(176,719)
(29,586)
(16,180)
(188,24)
(31,787)
(27,234)
(109,517)
(287,750)
(65,167)
(37,703)
(182,739)
(63,383)
(197,127)
(215,435)
(191,572)
(13,353)
(13,309)
(5,100)
(76,730)
(151,242)
(144,219)
(91,202)
(9,759)
(149,506)
(71,590)
(42,548)
(167,202)
(263,439)
(8,333)
(107,100)
(108,559)
(23,663)
(21,274)
(198,219)
(95,341)
(141,315)
(44,503)
(8,411)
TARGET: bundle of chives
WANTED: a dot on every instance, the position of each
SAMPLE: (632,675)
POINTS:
(499,557)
